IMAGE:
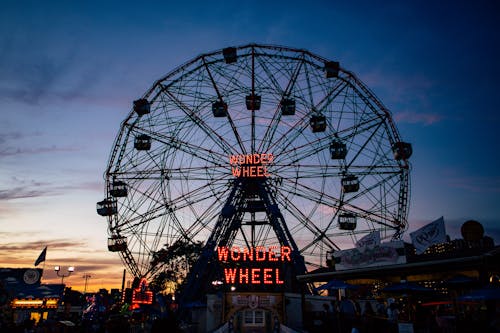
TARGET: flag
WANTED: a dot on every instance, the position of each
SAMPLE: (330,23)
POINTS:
(41,257)
(432,233)
(370,240)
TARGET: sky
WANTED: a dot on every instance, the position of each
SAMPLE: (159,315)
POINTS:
(69,72)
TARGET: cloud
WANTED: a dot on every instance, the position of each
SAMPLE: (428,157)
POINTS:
(39,245)
(417,117)
(32,151)
(475,184)
(22,193)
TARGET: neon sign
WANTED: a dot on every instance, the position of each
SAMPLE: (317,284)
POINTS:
(250,165)
(141,294)
(252,275)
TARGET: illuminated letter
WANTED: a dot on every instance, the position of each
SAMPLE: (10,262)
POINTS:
(272,254)
(278,281)
(245,171)
(236,171)
(268,279)
(266,174)
(255,275)
(248,159)
(259,171)
(261,253)
(256,159)
(243,275)
(230,274)
(233,159)
(252,171)
(235,254)
(222,253)
(241,159)
(248,254)
(285,252)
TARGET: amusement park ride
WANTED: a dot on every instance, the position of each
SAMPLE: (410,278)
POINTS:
(265,149)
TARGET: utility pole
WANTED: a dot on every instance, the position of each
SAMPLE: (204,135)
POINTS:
(86,276)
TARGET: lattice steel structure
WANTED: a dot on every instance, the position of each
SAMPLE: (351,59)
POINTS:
(338,167)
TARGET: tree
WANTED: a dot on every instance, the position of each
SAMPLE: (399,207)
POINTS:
(176,261)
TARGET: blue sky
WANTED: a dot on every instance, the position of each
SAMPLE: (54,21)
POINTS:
(69,72)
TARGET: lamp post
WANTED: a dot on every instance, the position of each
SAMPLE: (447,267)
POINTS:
(57,269)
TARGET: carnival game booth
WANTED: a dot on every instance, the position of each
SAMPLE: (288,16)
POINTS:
(28,298)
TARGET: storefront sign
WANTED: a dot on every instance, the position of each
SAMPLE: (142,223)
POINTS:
(383,254)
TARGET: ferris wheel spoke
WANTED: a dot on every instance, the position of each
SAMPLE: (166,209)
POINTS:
(162,208)
(228,115)
(221,142)
(273,126)
(305,222)
(318,197)
(294,132)
(174,143)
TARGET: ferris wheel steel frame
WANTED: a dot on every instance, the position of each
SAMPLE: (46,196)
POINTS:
(179,183)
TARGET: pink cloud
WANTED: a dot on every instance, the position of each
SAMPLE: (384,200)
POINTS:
(417,117)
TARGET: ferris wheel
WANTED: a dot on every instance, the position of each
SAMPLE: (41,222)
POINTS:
(256,145)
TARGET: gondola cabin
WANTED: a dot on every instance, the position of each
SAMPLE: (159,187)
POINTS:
(118,189)
(350,183)
(117,243)
(318,123)
(332,69)
(142,142)
(229,54)
(107,207)
(253,102)
(338,150)
(347,221)
(142,106)
(402,150)
(287,107)
(219,109)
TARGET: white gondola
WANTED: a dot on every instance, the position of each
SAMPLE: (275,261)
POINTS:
(229,54)
(288,107)
(142,106)
(332,69)
(253,102)
(117,243)
(118,189)
(219,109)
(347,221)
(402,150)
(338,150)
(142,142)
(350,183)
(318,123)
(107,207)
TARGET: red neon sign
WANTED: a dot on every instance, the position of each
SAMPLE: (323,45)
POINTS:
(141,294)
(250,165)
(258,254)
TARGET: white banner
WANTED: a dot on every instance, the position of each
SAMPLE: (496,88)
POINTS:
(370,240)
(390,253)
(432,233)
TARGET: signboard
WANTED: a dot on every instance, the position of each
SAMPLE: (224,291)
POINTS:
(379,255)
(240,270)
(141,294)
(250,165)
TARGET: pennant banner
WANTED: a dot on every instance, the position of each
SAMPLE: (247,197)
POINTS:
(430,234)
(370,240)
(41,257)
